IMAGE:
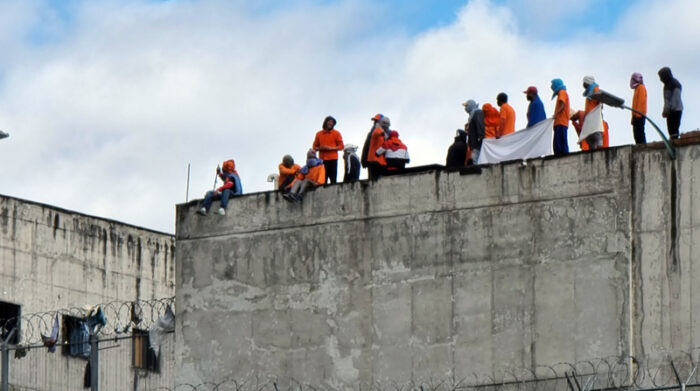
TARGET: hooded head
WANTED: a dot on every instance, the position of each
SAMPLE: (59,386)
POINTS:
(229,166)
(329,123)
(557,85)
(667,78)
(470,106)
(501,98)
(311,154)
(287,161)
(350,148)
(635,80)
(384,122)
(393,134)
(461,136)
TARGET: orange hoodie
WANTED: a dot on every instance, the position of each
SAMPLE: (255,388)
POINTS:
(285,172)
(491,120)
(375,142)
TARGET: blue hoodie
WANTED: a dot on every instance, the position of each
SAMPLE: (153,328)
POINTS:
(535,111)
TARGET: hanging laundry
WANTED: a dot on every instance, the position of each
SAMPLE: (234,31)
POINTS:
(165,324)
(50,341)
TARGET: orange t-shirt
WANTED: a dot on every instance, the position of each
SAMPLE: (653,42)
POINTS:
(328,138)
(285,172)
(639,101)
(374,143)
(592,103)
(491,120)
(507,124)
(563,117)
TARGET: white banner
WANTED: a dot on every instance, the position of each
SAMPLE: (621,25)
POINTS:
(532,142)
(592,123)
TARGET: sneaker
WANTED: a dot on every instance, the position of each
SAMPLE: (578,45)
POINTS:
(288,197)
(202,212)
(297,198)
(221,212)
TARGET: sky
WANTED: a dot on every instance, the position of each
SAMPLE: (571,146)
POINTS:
(107,102)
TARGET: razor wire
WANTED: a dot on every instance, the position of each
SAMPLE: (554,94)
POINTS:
(121,317)
(600,374)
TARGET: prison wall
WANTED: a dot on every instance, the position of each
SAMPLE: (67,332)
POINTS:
(446,275)
(53,259)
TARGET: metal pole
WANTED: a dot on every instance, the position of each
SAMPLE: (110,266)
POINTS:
(94,364)
(6,361)
(5,367)
(187,192)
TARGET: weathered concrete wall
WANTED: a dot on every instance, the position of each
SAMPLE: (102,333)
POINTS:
(52,258)
(434,275)
(666,222)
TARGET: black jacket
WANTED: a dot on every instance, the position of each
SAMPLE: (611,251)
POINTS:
(457,153)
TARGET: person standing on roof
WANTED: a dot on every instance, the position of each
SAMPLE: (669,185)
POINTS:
(312,175)
(673,106)
(507,124)
(365,146)
(287,172)
(352,163)
(395,152)
(639,105)
(232,186)
(561,117)
(475,128)
(457,153)
(492,120)
(328,142)
(535,110)
(595,140)
(376,163)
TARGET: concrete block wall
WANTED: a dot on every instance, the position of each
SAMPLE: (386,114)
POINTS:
(430,275)
(52,259)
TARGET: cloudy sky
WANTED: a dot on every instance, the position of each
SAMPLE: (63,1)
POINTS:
(107,101)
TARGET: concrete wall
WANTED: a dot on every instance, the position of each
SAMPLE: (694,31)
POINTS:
(444,275)
(52,258)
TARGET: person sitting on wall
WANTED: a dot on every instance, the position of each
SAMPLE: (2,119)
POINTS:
(288,170)
(395,153)
(232,186)
(352,163)
(312,175)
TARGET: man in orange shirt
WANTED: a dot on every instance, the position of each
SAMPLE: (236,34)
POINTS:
(312,175)
(507,122)
(328,142)
(639,104)
(561,117)
(376,164)
(288,170)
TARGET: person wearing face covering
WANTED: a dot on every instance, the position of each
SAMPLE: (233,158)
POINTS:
(673,106)
(639,105)
(475,129)
(492,120)
(595,140)
(376,163)
(561,117)
(395,152)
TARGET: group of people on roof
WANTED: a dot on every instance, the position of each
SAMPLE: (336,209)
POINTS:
(384,153)
(490,122)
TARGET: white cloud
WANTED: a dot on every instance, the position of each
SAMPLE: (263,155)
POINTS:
(105,120)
